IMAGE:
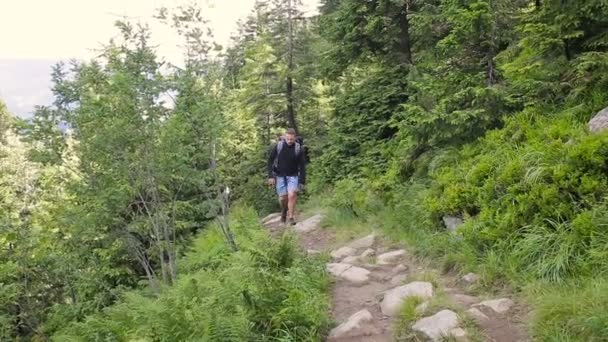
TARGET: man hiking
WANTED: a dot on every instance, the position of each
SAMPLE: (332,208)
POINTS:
(287,171)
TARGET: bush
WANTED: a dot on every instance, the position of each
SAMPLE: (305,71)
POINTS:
(268,291)
(536,191)
(355,196)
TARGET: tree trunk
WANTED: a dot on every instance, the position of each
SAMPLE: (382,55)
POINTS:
(567,50)
(404,48)
(491,72)
(291,116)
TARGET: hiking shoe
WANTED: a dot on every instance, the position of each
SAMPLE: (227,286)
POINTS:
(283,215)
(292,221)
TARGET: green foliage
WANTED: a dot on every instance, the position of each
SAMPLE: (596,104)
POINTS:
(361,124)
(5,121)
(268,291)
(533,189)
(575,311)
(355,197)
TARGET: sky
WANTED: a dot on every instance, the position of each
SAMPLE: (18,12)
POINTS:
(38,33)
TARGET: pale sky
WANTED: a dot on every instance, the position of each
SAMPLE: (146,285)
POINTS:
(42,32)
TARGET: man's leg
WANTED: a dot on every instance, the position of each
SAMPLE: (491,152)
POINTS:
(292,187)
(284,207)
(283,198)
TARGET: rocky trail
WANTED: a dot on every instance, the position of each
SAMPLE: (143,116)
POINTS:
(372,282)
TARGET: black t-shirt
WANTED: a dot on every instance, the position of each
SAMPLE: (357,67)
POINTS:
(288,163)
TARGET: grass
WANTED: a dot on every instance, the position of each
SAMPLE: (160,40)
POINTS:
(575,311)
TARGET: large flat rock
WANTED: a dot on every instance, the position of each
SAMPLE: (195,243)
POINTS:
(353,274)
(390,257)
(343,252)
(272,219)
(364,242)
(393,299)
(354,326)
(309,224)
(438,326)
(501,305)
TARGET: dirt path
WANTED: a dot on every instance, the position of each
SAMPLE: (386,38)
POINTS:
(371,283)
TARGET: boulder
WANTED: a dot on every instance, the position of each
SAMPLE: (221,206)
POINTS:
(309,224)
(452,223)
(356,275)
(459,335)
(398,279)
(393,299)
(599,122)
(390,257)
(353,274)
(501,305)
(365,242)
(438,326)
(476,314)
(368,253)
(355,325)
(272,219)
(343,252)
(464,300)
(353,259)
(399,268)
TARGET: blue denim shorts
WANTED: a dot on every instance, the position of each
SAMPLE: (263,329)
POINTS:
(291,186)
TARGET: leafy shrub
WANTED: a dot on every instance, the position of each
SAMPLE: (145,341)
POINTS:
(535,189)
(355,196)
(267,291)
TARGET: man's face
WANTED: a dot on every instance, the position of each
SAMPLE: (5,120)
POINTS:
(290,138)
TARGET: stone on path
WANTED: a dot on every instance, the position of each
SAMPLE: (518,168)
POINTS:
(501,305)
(393,299)
(368,253)
(272,219)
(365,242)
(390,257)
(399,268)
(477,315)
(312,252)
(343,252)
(438,326)
(354,326)
(470,278)
(464,300)
(459,335)
(353,259)
(399,279)
(309,224)
(353,274)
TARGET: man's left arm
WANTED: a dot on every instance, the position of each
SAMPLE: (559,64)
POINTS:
(302,168)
